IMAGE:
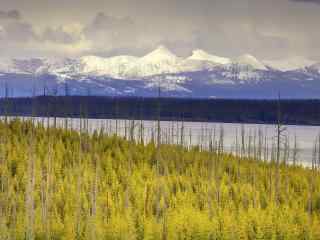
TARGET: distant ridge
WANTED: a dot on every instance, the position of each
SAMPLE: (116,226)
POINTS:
(201,74)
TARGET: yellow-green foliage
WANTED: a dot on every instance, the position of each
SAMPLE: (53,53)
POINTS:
(59,184)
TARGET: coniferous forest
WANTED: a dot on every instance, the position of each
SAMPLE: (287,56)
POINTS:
(58,183)
(296,112)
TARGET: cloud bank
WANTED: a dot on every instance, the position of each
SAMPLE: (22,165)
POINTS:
(11,14)
(307,1)
(267,29)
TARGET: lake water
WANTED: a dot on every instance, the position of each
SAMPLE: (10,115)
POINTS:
(200,134)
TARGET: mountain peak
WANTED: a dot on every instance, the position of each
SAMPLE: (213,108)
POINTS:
(199,52)
(247,59)
(159,54)
(162,48)
(202,55)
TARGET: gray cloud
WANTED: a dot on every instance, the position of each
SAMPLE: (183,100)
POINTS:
(307,1)
(59,35)
(111,35)
(14,29)
(18,37)
(12,14)
(109,23)
(19,32)
(267,29)
(105,26)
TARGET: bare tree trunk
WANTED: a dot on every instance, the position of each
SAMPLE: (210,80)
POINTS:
(29,200)
(158,129)
(30,191)
(94,196)
(158,117)
(6,102)
(4,188)
(318,164)
(260,144)
(49,190)
(266,150)
(243,148)
(295,152)
(221,140)
(312,180)
(116,117)
(182,133)
(132,130)
(280,130)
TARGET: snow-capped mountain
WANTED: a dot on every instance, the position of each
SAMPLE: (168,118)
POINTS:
(315,67)
(200,55)
(290,63)
(159,61)
(201,75)
(23,66)
(116,67)
(248,60)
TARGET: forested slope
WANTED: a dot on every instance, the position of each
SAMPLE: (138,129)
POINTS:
(62,184)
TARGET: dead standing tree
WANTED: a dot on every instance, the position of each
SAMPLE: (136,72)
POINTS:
(280,129)
(295,151)
(159,114)
(30,185)
(66,106)
(6,101)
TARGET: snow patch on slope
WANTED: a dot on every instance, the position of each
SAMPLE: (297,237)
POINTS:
(290,64)
(168,83)
(316,67)
(115,67)
(5,65)
(249,60)
(200,55)
(159,61)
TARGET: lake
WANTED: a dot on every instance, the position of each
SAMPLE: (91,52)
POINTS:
(259,139)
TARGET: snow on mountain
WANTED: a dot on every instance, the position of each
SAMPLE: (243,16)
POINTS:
(115,67)
(159,61)
(249,60)
(162,62)
(290,63)
(315,67)
(58,66)
(240,73)
(168,83)
(201,55)
(188,65)
(5,65)
(161,54)
(183,77)
(243,69)
(28,66)
(94,64)
(20,66)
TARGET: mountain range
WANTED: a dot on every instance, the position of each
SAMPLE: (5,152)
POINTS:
(201,75)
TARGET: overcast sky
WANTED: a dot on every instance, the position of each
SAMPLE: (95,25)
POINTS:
(268,29)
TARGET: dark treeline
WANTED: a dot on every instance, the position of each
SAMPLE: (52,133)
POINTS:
(304,112)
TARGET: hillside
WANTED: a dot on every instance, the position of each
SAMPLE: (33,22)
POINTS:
(60,184)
